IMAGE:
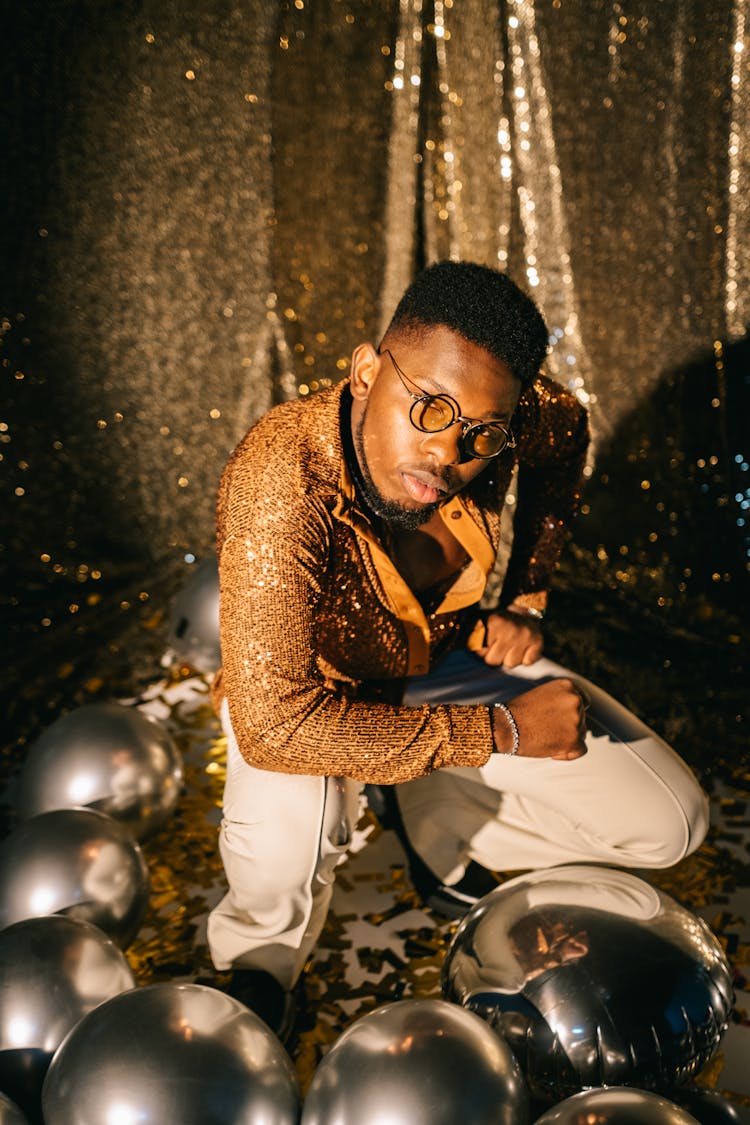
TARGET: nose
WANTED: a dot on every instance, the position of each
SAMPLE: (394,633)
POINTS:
(444,446)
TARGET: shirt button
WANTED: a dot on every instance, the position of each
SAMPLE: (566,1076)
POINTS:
(455,515)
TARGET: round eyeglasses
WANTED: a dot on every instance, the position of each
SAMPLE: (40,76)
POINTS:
(432,413)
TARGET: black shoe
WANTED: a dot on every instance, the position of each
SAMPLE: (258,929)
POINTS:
(456,900)
(451,902)
(382,802)
(263,995)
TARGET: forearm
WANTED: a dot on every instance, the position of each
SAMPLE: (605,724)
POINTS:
(287,716)
(540,530)
(315,731)
(551,463)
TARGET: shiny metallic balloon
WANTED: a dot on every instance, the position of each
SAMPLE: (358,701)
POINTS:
(52,972)
(417,1062)
(706,1106)
(108,757)
(194,621)
(77,862)
(10,1114)
(171,1053)
(595,978)
(617,1105)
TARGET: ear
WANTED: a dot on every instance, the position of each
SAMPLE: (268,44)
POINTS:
(364,370)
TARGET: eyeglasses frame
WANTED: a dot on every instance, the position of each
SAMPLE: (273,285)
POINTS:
(467,423)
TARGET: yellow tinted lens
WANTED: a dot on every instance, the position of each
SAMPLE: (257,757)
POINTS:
(432,413)
(485,440)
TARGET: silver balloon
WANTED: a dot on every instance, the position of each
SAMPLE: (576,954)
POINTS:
(706,1106)
(109,757)
(417,1062)
(52,972)
(10,1114)
(77,862)
(595,978)
(194,622)
(171,1053)
(617,1105)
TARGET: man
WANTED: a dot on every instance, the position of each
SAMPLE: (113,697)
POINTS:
(356,532)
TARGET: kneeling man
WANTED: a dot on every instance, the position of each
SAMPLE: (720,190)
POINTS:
(356,534)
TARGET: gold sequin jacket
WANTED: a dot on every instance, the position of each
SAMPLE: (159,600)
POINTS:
(318,628)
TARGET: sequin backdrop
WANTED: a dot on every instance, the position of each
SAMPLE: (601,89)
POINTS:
(207,205)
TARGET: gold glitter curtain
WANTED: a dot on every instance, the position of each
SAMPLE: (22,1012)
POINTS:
(491,188)
(738,224)
(207,207)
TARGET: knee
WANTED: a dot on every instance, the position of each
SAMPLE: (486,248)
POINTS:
(675,832)
(697,818)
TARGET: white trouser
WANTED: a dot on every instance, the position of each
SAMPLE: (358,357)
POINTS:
(281,837)
(630,801)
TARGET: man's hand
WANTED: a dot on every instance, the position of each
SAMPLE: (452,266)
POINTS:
(511,639)
(551,721)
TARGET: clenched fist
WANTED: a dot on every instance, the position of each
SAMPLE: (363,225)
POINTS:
(511,639)
(551,721)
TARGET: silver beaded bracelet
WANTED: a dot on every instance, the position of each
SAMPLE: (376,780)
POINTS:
(513,726)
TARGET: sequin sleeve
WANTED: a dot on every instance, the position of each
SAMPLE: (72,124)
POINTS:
(274,555)
(553,437)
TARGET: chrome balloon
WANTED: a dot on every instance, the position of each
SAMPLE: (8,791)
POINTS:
(595,978)
(194,621)
(77,862)
(706,1106)
(10,1114)
(52,972)
(417,1062)
(171,1053)
(109,757)
(617,1105)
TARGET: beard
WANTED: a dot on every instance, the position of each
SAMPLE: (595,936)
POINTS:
(389,510)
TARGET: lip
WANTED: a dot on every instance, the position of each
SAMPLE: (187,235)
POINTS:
(425,488)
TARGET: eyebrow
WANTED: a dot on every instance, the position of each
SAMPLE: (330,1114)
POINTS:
(441,390)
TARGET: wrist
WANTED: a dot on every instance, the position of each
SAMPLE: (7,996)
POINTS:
(521,610)
(508,742)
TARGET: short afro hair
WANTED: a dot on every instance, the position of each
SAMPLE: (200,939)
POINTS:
(481,304)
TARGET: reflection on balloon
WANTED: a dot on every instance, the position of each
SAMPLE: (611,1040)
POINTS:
(171,1053)
(595,978)
(194,622)
(417,1062)
(10,1114)
(52,972)
(617,1105)
(108,757)
(76,862)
